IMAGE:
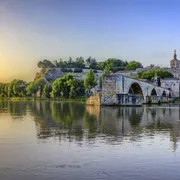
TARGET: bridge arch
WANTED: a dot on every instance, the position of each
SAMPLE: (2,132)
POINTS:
(135,88)
(164,93)
(153,92)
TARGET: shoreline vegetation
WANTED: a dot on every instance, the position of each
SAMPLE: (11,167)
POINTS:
(66,87)
(82,99)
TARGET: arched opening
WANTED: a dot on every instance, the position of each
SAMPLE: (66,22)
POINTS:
(153,92)
(135,89)
(164,93)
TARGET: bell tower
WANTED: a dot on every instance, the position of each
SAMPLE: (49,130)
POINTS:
(175,56)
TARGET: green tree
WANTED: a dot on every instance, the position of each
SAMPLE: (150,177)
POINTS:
(46,91)
(40,85)
(19,88)
(79,62)
(61,86)
(91,62)
(3,92)
(10,91)
(32,89)
(114,64)
(45,64)
(161,73)
(133,65)
(106,70)
(70,62)
(67,86)
(89,81)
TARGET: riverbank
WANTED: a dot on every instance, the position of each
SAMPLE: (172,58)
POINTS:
(82,99)
(176,100)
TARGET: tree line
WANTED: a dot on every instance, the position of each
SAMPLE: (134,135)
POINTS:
(79,63)
(66,87)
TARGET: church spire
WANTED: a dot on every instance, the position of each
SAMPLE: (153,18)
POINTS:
(175,56)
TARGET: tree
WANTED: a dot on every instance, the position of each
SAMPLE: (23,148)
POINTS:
(161,73)
(80,62)
(133,65)
(3,88)
(67,87)
(40,85)
(45,64)
(19,88)
(91,62)
(56,63)
(89,81)
(106,70)
(10,91)
(46,91)
(70,62)
(31,89)
(61,87)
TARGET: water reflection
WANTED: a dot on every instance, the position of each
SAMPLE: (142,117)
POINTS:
(16,109)
(75,121)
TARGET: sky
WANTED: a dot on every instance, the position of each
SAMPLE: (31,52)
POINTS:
(33,30)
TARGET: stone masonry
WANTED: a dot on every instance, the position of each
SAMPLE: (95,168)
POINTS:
(117,87)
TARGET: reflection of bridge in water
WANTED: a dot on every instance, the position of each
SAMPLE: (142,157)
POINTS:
(121,90)
(73,121)
(133,122)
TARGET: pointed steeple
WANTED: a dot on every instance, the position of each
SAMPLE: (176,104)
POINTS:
(175,56)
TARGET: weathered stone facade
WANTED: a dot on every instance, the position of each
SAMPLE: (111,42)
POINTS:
(175,72)
(173,85)
(127,73)
(53,74)
(109,91)
(116,91)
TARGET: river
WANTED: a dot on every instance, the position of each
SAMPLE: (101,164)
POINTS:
(61,140)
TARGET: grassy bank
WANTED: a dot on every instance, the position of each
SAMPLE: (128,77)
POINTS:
(176,100)
(82,99)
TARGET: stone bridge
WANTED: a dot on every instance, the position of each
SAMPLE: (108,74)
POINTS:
(121,90)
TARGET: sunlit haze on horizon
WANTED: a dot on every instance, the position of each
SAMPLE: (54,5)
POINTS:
(144,31)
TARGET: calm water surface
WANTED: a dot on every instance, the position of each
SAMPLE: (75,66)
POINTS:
(55,140)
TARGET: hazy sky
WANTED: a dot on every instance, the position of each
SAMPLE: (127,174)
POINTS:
(31,30)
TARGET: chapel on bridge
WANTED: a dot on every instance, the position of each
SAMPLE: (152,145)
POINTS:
(175,63)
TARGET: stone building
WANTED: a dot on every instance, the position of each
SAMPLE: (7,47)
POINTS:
(175,63)
(175,72)
(172,84)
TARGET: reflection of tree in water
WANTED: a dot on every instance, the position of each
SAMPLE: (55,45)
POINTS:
(62,114)
(58,119)
(90,123)
(17,109)
(3,106)
(74,121)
